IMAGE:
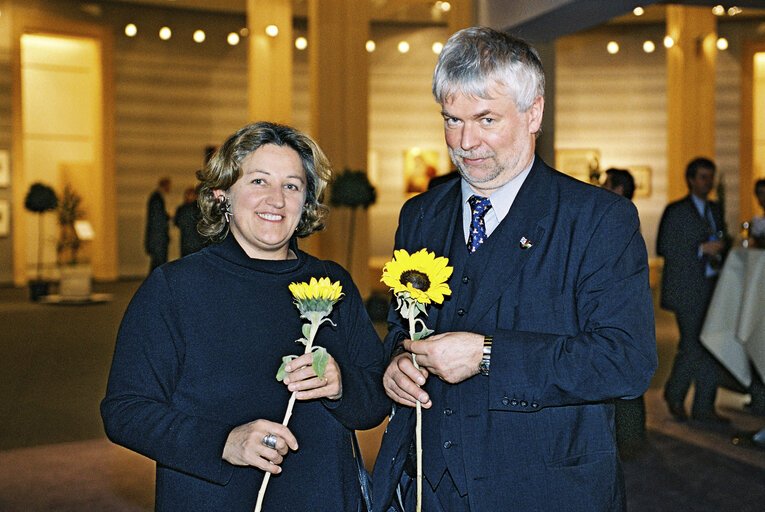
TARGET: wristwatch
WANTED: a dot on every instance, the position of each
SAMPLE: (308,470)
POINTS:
(483,366)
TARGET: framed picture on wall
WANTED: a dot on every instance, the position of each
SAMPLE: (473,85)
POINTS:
(583,164)
(5,218)
(5,168)
(642,176)
(420,166)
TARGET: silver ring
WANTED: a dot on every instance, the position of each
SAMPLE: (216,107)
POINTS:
(269,440)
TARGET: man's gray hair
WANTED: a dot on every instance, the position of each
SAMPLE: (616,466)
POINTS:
(478,58)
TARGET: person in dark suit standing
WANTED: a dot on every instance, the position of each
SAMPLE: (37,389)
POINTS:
(157,236)
(693,240)
(186,218)
(550,316)
(629,415)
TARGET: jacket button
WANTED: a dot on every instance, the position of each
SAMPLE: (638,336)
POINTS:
(447,444)
(524,403)
(448,411)
(505,401)
(460,312)
(513,402)
(534,405)
(465,279)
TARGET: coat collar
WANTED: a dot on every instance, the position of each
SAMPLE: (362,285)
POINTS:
(508,254)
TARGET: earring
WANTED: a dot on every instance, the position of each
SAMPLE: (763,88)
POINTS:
(224,205)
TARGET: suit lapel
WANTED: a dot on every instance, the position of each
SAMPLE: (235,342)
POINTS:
(507,254)
(439,223)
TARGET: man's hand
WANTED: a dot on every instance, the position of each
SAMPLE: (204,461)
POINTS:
(402,381)
(452,356)
(713,247)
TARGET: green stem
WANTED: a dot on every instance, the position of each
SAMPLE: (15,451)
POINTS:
(418,407)
(287,416)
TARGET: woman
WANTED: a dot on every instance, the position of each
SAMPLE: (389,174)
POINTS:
(193,384)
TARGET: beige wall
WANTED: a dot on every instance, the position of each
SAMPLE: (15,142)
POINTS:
(174,98)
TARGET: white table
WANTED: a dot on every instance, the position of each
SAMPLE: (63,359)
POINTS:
(734,328)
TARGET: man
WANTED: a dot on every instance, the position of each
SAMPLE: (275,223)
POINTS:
(629,413)
(554,306)
(186,219)
(157,236)
(693,240)
(757,227)
(620,181)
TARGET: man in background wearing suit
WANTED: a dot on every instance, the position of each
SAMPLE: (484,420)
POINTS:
(550,315)
(693,240)
(157,236)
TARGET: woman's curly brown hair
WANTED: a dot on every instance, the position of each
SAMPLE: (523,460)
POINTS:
(224,169)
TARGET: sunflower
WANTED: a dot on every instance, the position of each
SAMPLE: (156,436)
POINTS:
(316,296)
(420,274)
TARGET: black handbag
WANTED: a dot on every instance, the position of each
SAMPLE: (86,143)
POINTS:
(364,481)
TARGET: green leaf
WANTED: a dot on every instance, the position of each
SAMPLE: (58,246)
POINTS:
(424,333)
(282,372)
(320,360)
(306,330)
(422,308)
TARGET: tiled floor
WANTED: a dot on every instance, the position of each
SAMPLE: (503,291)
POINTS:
(52,377)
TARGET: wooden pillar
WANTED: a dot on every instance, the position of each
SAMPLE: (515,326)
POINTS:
(461,15)
(338,68)
(690,90)
(269,61)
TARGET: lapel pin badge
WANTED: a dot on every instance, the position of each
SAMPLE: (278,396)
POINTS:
(525,243)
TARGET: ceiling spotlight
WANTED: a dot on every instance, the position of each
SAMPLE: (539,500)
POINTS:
(272,30)
(199,36)
(403,47)
(718,10)
(649,47)
(732,11)
(638,11)
(244,32)
(131,30)
(301,43)
(612,47)
(722,44)
(444,6)
(232,38)
(370,46)
(165,33)
(668,42)
(437,47)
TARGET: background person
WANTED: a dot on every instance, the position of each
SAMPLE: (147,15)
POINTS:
(193,384)
(187,217)
(620,181)
(693,240)
(550,317)
(629,417)
(157,236)
(757,227)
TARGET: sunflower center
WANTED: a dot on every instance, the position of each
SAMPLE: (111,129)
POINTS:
(417,279)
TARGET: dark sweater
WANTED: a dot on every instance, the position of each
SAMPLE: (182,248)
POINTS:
(197,354)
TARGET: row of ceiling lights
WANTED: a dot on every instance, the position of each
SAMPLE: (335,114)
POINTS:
(717,10)
(233,38)
(649,46)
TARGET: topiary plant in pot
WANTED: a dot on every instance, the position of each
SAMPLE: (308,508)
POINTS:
(352,189)
(39,199)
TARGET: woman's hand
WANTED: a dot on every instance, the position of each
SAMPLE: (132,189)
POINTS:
(303,379)
(245,445)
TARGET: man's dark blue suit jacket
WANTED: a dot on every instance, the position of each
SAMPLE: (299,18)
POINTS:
(573,327)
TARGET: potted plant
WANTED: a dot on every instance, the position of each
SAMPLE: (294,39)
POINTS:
(75,279)
(39,199)
(352,189)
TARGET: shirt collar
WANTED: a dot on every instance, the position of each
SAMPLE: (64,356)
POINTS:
(502,198)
